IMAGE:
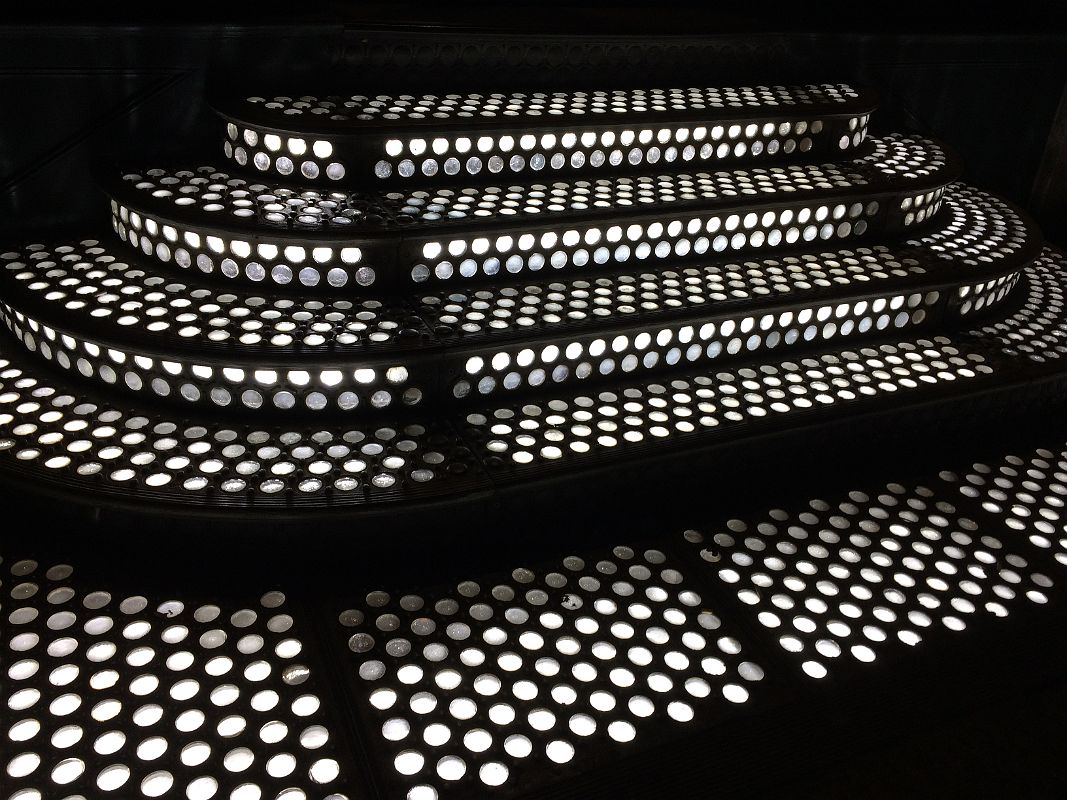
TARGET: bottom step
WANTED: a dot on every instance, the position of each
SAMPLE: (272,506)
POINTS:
(759,644)
(64,438)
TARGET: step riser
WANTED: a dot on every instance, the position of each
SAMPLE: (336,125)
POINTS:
(444,376)
(402,159)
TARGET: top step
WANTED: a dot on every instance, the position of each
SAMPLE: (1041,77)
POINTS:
(390,141)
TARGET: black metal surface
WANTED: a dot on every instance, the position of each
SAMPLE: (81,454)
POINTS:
(510,486)
(380,140)
(792,725)
(409,352)
(394,240)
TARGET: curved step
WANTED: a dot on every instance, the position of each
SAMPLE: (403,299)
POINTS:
(578,654)
(1036,331)
(610,653)
(75,441)
(395,141)
(87,309)
(258,233)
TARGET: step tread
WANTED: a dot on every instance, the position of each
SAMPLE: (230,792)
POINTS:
(50,432)
(96,288)
(390,141)
(243,204)
(334,112)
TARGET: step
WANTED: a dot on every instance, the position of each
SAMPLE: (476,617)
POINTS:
(63,434)
(252,233)
(1035,331)
(499,676)
(392,141)
(552,673)
(131,325)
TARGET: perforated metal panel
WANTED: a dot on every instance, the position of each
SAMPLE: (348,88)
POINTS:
(211,220)
(512,680)
(111,693)
(396,140)
(849,580)
(520,682)
(80,304)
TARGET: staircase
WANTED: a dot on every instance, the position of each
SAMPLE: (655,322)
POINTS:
(374,305)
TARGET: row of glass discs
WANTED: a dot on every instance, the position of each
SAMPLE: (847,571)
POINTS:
(172,327)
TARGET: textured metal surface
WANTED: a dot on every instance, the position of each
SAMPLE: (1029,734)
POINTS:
(977,543)
(508,683)
(57,434)
(397,140)
(112,693)
(515,679)
(81,304)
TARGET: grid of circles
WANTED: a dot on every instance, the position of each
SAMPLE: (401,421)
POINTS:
(580,301)
(576,301)
(518,152)
(899,156)
(846,581)
(492,684)
(443,205)
(112,696)
(558,431)
(1027,493)
(283,261)
(1037,330)
(364,108)
(514,368)
(652,191)
(921,207)
(267,150)
(986,294)
(686,236)
(980,228)
(689,343)
(237,259)
(171,375)
(87,278)
(217,195)
(74,438)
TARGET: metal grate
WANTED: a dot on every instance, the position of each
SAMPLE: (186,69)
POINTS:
(109,693)
(94,443)
(211,220)
(523,681)
(78,306)
(392,140)
(1036,331)
(505,683)
(850,579)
